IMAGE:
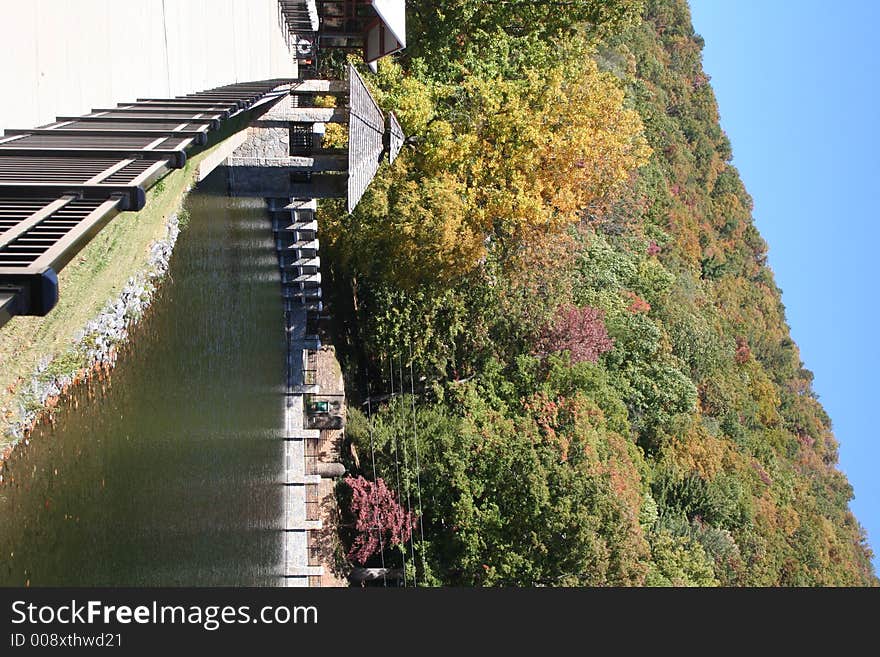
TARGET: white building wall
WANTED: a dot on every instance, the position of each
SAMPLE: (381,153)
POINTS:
(65,57)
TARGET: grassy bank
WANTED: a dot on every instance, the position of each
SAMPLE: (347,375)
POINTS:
(97,275)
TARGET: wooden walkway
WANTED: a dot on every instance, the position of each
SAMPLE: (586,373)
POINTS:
(61,183)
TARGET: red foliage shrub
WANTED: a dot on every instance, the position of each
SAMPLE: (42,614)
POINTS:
(762,473)
(806,440)
(743,353)
(653,248)
(638,304)
(580,331)
(378,518)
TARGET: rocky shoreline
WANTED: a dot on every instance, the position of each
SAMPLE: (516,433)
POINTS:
(95,348)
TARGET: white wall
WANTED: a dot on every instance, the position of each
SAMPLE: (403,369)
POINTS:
(64,57)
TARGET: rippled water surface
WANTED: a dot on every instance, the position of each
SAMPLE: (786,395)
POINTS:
(169,475)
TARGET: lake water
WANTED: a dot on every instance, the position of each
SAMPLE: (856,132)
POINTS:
(170,474)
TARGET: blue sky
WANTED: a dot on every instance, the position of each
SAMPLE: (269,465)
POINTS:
(797,88)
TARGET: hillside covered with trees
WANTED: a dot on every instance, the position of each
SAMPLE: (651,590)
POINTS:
(565,271)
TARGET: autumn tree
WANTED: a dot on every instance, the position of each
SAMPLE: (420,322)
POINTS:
(377,517)
(580,331)
(501,163)
(454,31)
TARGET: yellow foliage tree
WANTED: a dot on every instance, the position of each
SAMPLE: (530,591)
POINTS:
(499,162)
(536,152)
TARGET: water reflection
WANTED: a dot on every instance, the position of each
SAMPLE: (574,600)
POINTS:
(170,475)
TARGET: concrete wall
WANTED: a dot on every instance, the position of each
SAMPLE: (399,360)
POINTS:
(63,57)
(265,141)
